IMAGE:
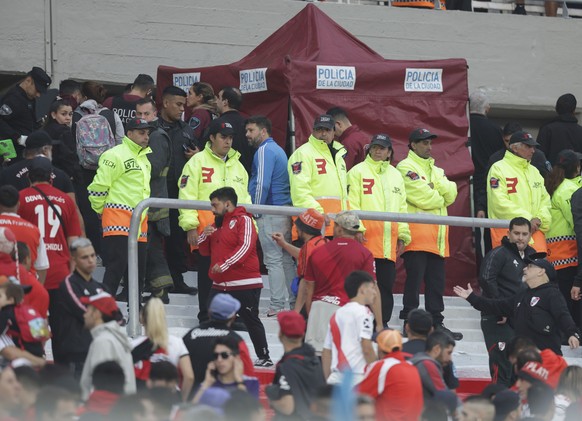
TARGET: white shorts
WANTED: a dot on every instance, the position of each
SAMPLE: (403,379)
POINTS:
(318,323)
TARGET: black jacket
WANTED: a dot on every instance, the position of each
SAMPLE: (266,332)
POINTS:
(486,138)
(71,340)
(160,158)
(298,373)
(539,313)
(576,207)
(17,176)
(563,132)
(239,140)
(17,117)
(65,153)
(502,270)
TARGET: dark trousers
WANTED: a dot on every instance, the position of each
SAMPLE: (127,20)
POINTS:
(249,313)
(175,249)
(565,282)
(204,287)
(115,249)
(496,339)
(53,320)
(92,222)
(386,275)
(157,273)
(430,268)
(480,252)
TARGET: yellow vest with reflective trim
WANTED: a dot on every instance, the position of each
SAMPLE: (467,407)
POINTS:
(417,173)
(378,186)
(204,173)
(317,179)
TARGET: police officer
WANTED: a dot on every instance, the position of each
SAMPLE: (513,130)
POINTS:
(427,191)
(121,182)
(375,185)
(17,108)
(317,172)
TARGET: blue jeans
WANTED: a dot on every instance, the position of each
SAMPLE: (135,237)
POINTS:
(279,263)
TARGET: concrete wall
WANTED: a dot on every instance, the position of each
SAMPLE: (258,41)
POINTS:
(525,63)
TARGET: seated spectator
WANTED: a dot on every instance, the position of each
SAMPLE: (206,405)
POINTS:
(56,404)
(242,406)
(163,374)
(507,406)
(29,388)
(477,408)
(9,393)
(165,401)
(108,381)
(321,403)
(532,374)
(569,390)
(540,400)
(226,370)
(138,407)
(158,345)
(434,411)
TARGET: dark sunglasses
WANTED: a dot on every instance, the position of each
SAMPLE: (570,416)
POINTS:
(223,355)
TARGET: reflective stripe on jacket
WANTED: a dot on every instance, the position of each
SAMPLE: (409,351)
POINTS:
(417,173)
(516,188)
(318,179)
(121,182)
(378,186)
(204,173)
(561,239)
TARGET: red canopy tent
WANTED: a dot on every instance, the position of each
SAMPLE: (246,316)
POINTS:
(311,64)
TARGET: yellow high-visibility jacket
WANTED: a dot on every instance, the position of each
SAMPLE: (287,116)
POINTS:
(204,173)
(318,179)
(378,186)
(121,182)
(417,173)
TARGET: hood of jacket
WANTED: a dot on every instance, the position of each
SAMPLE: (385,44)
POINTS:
(113,329)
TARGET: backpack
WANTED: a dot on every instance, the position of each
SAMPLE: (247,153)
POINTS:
(94,136)
(31,325)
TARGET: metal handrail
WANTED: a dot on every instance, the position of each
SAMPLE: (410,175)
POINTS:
(133,327)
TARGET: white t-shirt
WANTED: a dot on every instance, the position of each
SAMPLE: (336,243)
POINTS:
(355,322)
(176,349)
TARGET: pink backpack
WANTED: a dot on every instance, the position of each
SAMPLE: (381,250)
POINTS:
(94,136)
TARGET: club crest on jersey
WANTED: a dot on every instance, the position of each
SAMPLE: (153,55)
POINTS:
(412,175)
(296,167)
(534,301)
(232,223)
(501,345)
(184,181)
(494,182)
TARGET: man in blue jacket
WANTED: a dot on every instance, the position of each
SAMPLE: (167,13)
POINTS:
(269,185)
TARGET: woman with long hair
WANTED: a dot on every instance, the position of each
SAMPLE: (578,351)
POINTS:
(561,183)
(157,345)
(200,108)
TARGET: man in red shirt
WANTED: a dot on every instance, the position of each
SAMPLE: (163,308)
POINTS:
(322,290)
(24,231)
(394,383)
(349,135)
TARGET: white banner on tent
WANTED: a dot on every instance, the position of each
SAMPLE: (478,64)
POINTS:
(336,77)
(185,80)
(423,80)
(253,80)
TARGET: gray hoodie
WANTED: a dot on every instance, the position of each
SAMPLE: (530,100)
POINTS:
(110,343)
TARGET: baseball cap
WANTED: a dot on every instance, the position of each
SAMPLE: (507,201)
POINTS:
(312,218)
(534,373)
(421,134)
(137,124)
(505,401)
(348,220)
(103,302)
(381,140)
(568,157)
(41,80)
(420,321)
(389,340)
(292,324)
(220,125)
(38,139)
(7,240)
(324,121)
(40,164)
(538,259)
(523,137)
(223,307)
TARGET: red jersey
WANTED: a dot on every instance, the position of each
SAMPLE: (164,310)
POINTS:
(199,119)
(331,263)
(555,364)
(25,232)
(305,253)
(38,296)
(34,208)
(396,386)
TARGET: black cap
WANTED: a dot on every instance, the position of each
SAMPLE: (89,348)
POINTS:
(421,134)
(39,139)
(523,137)
(40,164)
(568,157)
(324,121)
(505,401)
(538,259)
(41,80)
(137,124)
(420,321)
(381,140)
(222,126)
